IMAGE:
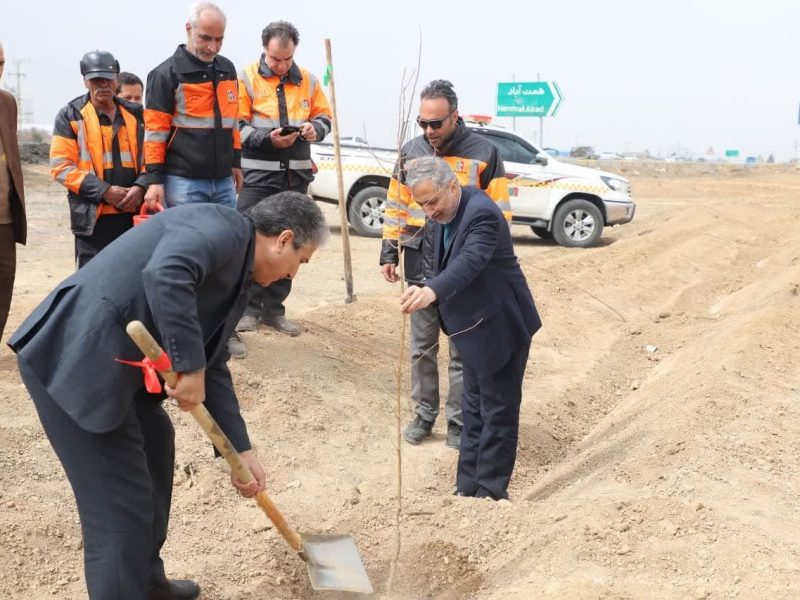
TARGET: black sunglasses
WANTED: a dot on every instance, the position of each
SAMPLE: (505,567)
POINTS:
(433,123)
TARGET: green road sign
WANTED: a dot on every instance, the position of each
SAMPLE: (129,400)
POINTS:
(731,153)
(528,99)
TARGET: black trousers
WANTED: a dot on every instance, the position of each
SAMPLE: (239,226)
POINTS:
(122,481)
(106,230)
(490,407)
(268,301)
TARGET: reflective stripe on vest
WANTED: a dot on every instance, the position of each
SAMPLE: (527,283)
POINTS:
(264,101)
(275,165)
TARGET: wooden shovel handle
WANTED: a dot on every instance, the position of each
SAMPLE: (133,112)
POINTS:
(139,334)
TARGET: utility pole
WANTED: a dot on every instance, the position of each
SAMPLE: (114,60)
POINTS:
(18,74)
(796,154)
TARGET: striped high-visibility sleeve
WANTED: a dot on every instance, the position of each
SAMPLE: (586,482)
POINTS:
(395,213)
(498,191)
(251,136)
(321,115)
(70,162)
(158,114)
(493,181)
(245,110)
(237,144)
(157,126)
(227,98)
(237,147)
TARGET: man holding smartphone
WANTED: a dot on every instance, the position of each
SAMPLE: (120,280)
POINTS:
(282,109)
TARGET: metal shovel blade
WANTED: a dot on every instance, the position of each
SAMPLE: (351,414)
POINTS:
(334,563)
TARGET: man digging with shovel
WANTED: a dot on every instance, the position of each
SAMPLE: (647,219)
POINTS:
(185,274)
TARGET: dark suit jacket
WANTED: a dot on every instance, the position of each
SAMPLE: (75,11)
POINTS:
(8,131)
(479,280)
(185,273)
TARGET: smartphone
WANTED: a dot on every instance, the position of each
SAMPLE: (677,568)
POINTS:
(289,129)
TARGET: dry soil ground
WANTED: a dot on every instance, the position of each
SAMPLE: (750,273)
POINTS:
(658,453)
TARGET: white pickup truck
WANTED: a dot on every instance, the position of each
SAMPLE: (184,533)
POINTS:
(568,203)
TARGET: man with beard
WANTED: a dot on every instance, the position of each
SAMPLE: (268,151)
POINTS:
(476,162)
(192,148)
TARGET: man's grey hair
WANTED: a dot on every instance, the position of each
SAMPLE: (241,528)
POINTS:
(429,167)
(283,31)
(197,9)
(293,211)
(440,88)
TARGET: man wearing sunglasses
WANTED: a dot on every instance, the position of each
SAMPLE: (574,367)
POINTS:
(475,162)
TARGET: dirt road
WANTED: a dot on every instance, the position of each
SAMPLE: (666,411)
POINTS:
(658,453)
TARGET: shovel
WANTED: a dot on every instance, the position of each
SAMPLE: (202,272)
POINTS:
(333,561)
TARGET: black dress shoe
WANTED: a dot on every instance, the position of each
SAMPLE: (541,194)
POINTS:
(282,324)
(417,430)
(174,589)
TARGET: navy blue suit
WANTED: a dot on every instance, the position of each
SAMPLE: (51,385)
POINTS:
(185,273)
(484,300)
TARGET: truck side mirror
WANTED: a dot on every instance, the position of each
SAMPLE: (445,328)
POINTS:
(540,159)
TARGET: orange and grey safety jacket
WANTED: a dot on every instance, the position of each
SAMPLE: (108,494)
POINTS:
(267,102)
(474,160)
(190,116)
(89,153)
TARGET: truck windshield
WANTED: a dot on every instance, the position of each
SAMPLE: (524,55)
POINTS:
(511,150)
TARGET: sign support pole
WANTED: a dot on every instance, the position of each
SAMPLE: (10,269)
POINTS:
(513,119)
(541,120)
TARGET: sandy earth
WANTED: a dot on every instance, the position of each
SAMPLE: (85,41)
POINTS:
(658,445)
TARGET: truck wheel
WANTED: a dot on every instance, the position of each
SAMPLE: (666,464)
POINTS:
(366,211)
(577,224)
(542,232)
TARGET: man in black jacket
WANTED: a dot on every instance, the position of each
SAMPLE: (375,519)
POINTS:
(185,273)
(192,146)
(475,161)
(282,110)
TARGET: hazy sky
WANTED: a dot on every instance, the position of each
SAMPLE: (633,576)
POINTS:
(635,74)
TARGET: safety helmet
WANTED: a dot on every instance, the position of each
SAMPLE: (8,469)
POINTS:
(99,64)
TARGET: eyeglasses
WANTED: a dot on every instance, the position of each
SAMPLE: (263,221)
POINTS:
(433,123)
(434,200)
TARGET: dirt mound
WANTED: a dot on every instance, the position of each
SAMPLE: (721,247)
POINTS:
(657,452)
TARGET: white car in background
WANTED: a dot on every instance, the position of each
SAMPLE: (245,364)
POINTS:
(560,201)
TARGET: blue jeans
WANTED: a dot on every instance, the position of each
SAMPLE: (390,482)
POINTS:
(185,190)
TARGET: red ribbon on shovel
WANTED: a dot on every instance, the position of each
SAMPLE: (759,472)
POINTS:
(150,370)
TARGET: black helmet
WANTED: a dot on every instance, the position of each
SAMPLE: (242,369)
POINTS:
(99,64)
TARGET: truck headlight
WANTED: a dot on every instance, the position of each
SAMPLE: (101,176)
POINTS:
(618,185)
